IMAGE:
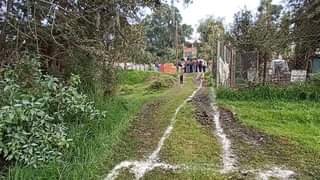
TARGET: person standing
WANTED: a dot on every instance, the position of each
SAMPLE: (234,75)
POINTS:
(200,65)
(194,65)
(190,66)
(204,66)
(181,71)
(183,62)
(187,66)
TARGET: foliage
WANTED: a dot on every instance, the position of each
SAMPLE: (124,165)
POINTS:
(65,34)
(160,30)
(133,77)
(93,151)
(268,92)
(306,29)
(265,32)
(242,31)
(35,109)
(290,31)
(161,83)
(211,30)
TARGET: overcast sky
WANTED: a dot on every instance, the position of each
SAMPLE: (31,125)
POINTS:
(201,9)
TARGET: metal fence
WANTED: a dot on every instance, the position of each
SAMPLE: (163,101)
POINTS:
(244,69)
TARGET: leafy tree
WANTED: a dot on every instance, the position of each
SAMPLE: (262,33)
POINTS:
(306,29)
(242,31)
(211,30)
(160,31)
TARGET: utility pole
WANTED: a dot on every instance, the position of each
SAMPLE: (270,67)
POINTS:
(176,33)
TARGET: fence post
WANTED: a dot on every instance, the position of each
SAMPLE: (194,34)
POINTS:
(232,68)
(264,69)
(217,65)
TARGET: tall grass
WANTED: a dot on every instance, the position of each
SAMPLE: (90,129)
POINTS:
(269,92)
(134,77)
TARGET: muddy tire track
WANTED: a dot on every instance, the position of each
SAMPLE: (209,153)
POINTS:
(140,167)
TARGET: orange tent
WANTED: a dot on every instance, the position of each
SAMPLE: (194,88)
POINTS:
(168,68)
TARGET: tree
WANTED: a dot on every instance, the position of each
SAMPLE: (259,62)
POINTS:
(306,29)
(84,37)
(160,31)
(242,30)
(211,30)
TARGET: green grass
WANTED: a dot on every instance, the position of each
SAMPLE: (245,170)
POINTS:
(299,121)
(190,142)
(92,149)
(184,175)
(192,145)
(146,131)
(289,115)
(294,92)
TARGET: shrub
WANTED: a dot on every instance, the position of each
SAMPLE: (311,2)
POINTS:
(160,83)
(34,112)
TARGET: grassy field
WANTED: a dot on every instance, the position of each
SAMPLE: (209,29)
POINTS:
(299,121)
(292,122)
(92,148)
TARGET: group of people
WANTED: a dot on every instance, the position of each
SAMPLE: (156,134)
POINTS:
(193,65)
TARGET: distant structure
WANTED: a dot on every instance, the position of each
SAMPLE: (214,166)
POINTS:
(189,51)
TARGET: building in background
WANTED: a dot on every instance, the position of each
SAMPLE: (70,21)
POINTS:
(189,51)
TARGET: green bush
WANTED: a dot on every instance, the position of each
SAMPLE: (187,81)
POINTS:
(160,83)
(34,112)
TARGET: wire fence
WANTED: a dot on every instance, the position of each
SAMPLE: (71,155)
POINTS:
(235,68)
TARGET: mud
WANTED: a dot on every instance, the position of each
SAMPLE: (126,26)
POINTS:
(204,112)
(237,130)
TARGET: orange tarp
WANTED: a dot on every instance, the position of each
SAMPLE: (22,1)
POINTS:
(168,68)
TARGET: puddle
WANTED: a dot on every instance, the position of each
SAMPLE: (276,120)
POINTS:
(140,168)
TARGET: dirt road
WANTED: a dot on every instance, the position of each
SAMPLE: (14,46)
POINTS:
(185,135)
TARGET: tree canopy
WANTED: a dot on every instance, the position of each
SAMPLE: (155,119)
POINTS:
(211,30)
(160,31)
